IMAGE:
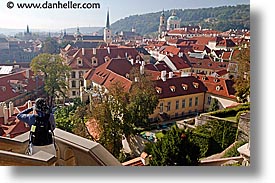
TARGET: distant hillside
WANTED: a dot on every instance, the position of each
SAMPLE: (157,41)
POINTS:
(219,18)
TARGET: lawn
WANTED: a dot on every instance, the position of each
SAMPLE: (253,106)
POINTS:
(231,118)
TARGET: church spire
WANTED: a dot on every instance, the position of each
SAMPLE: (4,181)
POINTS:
(108,21)
(28,29)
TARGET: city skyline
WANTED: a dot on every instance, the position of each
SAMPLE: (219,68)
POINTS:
(57,19)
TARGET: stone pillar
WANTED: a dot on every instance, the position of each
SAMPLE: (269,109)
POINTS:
(1,109)
(11,108)
(6,115)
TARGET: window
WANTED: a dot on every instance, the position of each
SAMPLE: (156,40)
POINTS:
(168,106)
(73,74)
(177,105)
(190,102)
(73,84)
(196,101)
(73,93)
(183,103)
(80,74)
(161,107)
(208,100)
(79,61)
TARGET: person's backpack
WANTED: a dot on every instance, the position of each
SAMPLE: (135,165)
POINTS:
(41,133)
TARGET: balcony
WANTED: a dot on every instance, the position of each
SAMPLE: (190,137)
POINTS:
(72,150)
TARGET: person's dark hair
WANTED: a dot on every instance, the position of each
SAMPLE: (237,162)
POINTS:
(41,105)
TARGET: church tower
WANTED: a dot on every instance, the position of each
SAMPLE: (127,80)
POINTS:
(173,21)
(107,30)
(161,23)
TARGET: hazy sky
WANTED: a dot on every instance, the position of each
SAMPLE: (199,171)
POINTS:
(65,18)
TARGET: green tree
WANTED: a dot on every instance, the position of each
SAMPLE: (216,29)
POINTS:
(143,99)
(53,70)
(109,109)
(214,105)
(174,149)
(65,116)
(242,81)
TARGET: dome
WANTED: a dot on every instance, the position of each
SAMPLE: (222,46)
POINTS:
(173,18)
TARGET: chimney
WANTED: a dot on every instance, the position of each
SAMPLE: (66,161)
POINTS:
(94,51)
(141,69)
(28,73)
(29,104)
(143,63)
(83,51)
(163,75)
(170,74)
(132,61)
(108,49)
(11,108)
(6,115)
(2,109)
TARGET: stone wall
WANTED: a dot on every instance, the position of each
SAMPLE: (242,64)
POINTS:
(244,127)
(72,150)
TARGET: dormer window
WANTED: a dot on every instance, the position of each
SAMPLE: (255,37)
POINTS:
(159,90)
(216,80)
(184,86)
(218,88)
(196,85)
(204,78)
(172,88)
(106,59)
(94,61)
(3,88)
(79,62)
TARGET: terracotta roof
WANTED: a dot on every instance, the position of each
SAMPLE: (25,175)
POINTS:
(222,72)
(203,40)
(226,55)
(226,43)
(7,90)
(179,62)
(190,81)
(15,127)
(218,86)
(171,49)
(161,66)
(206,63)
(115,70)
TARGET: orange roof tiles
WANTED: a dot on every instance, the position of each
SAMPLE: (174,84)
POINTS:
(28,84)
(177,83)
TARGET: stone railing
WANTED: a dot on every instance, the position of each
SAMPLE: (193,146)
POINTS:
(72,150)
(220,161)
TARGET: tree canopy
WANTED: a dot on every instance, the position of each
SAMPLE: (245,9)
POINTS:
(174,149)
(53,70)
(218,18)
(242,81)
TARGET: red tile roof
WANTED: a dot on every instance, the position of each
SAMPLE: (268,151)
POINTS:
(28,84)
(179,62)
(171,49)
(203,40)
(218,86)
(113,71)
(177,83)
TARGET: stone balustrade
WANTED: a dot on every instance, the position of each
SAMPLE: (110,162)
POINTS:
(72,150)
